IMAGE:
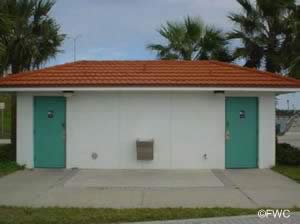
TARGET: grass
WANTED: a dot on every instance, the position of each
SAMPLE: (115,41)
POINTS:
(292,172)
(18,215)
(24,215)
(7,167)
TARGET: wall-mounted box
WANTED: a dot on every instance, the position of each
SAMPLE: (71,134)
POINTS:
(144,149)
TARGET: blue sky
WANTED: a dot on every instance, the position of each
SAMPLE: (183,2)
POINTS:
(120,29)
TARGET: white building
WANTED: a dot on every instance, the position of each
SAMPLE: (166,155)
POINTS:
(186,115)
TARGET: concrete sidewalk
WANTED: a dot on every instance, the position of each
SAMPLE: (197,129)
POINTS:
(78,188)
(251,219)
(144,179)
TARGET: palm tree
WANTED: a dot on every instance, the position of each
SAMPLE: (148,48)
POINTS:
(191,40)
(264,29)
(291,46)
(294,69)
(32,38)
(4,27)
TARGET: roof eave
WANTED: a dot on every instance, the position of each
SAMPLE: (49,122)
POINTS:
(132,89)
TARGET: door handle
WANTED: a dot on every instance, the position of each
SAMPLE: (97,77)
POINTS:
(227,135)
(64,131)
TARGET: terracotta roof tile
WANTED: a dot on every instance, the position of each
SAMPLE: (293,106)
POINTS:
(148,73)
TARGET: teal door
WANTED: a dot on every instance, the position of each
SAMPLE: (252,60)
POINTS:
(241,132)
(49,132)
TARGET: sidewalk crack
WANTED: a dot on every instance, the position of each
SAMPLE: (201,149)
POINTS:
(143,197)
(227,181)
(59,182)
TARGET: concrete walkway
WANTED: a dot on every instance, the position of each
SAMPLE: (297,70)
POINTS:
(91,188)
(251,219)
(144,179)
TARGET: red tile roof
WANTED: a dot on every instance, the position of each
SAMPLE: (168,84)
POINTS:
(148,73)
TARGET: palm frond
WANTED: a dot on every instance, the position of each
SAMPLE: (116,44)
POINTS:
(34,37)
(294,69)
(189,40)
(214,45)
(247,6)
(265,29)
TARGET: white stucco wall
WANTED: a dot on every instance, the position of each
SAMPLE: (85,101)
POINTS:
(25,129)
(267,119)
(184,126)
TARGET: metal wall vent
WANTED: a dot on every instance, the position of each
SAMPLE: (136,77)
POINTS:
(144,149)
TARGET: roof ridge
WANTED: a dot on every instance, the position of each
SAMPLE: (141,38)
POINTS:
(150,60)
(275,75)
